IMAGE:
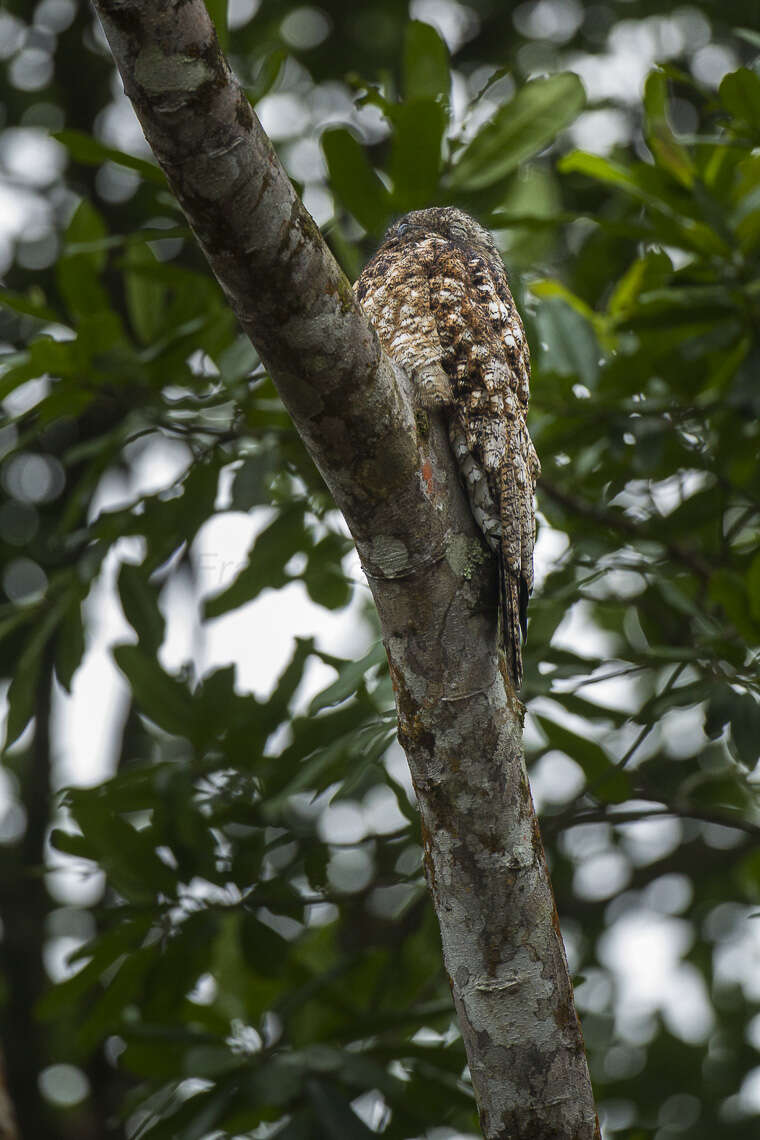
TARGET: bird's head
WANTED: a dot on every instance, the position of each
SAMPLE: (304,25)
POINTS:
(447,221)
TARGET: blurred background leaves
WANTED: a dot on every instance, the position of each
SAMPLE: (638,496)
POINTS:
(222,928)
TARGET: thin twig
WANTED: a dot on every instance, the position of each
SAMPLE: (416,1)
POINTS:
(606,815)
(619,522)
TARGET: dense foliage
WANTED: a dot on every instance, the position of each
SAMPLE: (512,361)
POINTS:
(256,958)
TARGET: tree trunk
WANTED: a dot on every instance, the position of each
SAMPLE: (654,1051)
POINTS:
(392,475)
(24,907)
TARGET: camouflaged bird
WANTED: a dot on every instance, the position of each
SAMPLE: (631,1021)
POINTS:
(436,292)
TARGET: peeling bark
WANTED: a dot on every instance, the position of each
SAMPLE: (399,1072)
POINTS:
(392,475)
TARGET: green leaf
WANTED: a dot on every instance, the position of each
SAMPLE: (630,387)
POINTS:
(69,646)
(167,1052)
(300,1126)
(267,75)
(745,728)
(166,523)
(354,181)
(753,586)
(407,809)
(126,853)
(263,948)
(124,989)
(334,1112)
(550,288)
(675,217)
(519,130)
(718,711)
(140,604)
(197,1117)
(728,588)
(602,170)
(78,272)
(237,360)
(217,10)
(416,153)
(87,150)
(749,35)
(102,954)
(426,63)
(323,577)
(571,347)
(667,151)
(251,485)
(529,214)
(740,94)
(278,705)
(350,676)
(30,304)
(679,697)
(71,843)
(162,698)
(146,294)
(22,694)
(606,782)
(273,548)
(646,273)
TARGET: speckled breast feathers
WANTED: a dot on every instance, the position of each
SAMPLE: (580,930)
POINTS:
(437,294)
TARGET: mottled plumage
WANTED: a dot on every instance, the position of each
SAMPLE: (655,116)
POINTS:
(437,294)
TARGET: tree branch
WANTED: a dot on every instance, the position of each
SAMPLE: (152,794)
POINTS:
(395,481)
(617,521)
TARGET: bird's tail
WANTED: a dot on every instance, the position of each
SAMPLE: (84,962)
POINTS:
(511,619)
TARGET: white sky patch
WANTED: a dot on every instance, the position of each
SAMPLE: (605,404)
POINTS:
(551,544)
(737,957)
(602,876)
(305,28)
(555,779)
(31,69)
(283,114)
(381,811)
(555,20)
(12,32)
(455,23)
(319,203)
(22,212)
(644,951)
(258,636)
(604,687)
(599,131)
(239,12)
(634,46)
(681,731)
(177,604)
(29,155)
(55,15)
(342,823)
(63,1085)
(712,62)
(118,126)
(749,1093)
(648,840)
(578,633)
(85,724)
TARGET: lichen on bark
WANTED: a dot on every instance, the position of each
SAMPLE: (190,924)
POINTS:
(394,478)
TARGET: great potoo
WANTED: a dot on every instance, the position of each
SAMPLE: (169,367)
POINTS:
(437,294)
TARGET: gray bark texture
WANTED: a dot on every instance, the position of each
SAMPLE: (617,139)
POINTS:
(391,473)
